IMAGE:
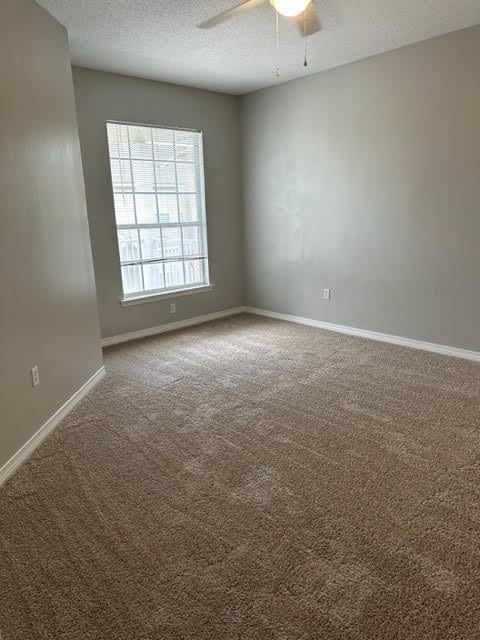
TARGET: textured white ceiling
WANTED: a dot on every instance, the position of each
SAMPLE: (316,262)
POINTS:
(158,39)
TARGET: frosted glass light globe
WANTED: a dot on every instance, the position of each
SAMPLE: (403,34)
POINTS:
(290,8)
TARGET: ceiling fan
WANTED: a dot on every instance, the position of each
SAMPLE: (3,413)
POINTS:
(303,11)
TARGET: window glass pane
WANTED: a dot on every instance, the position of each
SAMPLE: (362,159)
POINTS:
(157,180)
(124,211)
(185,145)
(167,207)
(194,272)
(163,146)
(128,245)
(165,172)
(132,278)
(121,175)
(146,204)
(117,140)
(141,143)
(174,274)
(188,207)
(192,241)
(151,243)
(172,242)
(186,177)
(143,177)
(153,276)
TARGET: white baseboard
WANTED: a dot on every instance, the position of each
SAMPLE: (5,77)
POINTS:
(456,352)
(29,447)
(170,326)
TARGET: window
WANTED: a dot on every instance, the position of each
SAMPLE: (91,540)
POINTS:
(158,191)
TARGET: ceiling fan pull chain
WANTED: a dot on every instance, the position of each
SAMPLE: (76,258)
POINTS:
(305,62)
(277,34)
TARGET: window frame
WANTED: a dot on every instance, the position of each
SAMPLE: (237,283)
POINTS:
(151,295)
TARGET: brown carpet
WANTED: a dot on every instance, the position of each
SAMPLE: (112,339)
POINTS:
(252,479)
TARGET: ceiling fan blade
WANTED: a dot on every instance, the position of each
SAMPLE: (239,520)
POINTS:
(313,22)
(230,13)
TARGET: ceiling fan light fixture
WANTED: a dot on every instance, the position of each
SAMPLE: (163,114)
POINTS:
(290,8)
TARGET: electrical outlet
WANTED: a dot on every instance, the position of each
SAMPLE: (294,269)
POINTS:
(173,308)
(326,294)
(35,376)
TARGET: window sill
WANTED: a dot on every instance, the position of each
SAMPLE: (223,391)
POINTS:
(157,297)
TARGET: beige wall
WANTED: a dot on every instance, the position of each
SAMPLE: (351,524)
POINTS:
(103,96)
(48,312)
(366,180)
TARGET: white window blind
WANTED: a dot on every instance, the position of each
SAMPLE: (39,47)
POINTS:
(158,191)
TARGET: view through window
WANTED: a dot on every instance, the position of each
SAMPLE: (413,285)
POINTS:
(158,190)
